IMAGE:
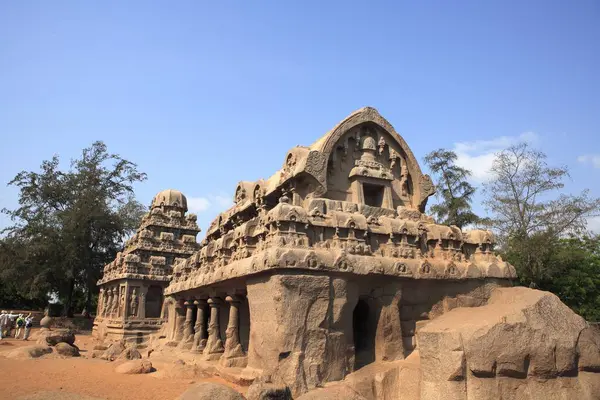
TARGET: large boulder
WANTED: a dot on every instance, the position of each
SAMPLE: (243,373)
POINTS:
(588,349)
(33,351)
(66,350)
(135,367)
(130,353)
(55,336)
(337,392)
(46,322)
(268,391)
(210,391)
(522,345)
(179,370)
(113,352)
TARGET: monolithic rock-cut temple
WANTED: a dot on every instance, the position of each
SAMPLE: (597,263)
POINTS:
(132,287)
(330,266)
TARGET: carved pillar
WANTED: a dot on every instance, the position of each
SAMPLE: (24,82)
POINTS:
(179,321)
(188,325)
(214,345)
(100,302)
(200,333)
(142,302)
(388,201)
(234,354)
(357,192)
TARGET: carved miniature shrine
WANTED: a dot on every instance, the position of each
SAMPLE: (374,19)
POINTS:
(131,289)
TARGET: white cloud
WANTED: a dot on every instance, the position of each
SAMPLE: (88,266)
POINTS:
(198,204)
(223,201)
(211,202)
(478,156)
(593,224)
(593,159)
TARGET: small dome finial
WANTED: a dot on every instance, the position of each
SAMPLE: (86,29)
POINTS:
(170,198)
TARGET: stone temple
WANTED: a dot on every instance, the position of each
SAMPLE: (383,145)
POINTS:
(328,267)
(132,287)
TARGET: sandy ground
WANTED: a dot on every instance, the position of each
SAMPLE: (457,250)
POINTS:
(50,377)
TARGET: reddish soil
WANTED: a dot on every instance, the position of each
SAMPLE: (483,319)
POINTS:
(51,377)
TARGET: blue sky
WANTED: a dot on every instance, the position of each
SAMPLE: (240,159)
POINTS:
(202,95)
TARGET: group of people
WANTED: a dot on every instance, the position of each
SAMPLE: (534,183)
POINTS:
(20,321)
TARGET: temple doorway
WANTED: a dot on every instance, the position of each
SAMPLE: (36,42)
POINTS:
(364,334)
(154,299)
(245,324)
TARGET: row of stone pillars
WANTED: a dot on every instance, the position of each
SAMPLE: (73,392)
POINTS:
(199,338)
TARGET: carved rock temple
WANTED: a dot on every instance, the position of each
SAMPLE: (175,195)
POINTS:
(329,272)
(132,287)
(328,265)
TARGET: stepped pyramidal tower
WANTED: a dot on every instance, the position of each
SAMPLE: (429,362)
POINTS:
(132,286)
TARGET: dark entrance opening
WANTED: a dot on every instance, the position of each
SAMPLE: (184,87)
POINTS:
(373,195)
(364,335)
(154,300)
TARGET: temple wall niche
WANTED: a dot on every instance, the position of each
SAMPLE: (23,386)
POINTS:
(154,300)
(387,153)
(244,324)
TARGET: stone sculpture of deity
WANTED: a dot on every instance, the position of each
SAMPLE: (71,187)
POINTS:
(133,305)
(115,306)
(122,306)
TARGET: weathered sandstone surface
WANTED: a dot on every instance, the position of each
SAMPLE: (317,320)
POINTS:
(135,367)
(210,391)
(524,344)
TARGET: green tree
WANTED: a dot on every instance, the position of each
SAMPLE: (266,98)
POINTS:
(21,285)
(454,190)
(530,214)
(576,278)
(73,222)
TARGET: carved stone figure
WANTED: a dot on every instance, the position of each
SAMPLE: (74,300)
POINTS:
(133,305)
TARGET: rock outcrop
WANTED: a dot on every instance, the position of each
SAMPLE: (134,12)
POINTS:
(55,336)
(130,353)
(332,393)
(210,391)
(113,352)
(33,351)
(135,367)
(524,344)
(66,350)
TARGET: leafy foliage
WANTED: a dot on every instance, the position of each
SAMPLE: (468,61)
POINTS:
(576,277)
(568,267)
(69,224)
(522,197)
(543,231)
(454,189)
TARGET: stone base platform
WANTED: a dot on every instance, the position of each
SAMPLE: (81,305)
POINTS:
(237,375)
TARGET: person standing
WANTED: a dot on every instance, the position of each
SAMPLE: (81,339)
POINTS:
(2,323)
(20,325)
(28,325)
(10,319)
